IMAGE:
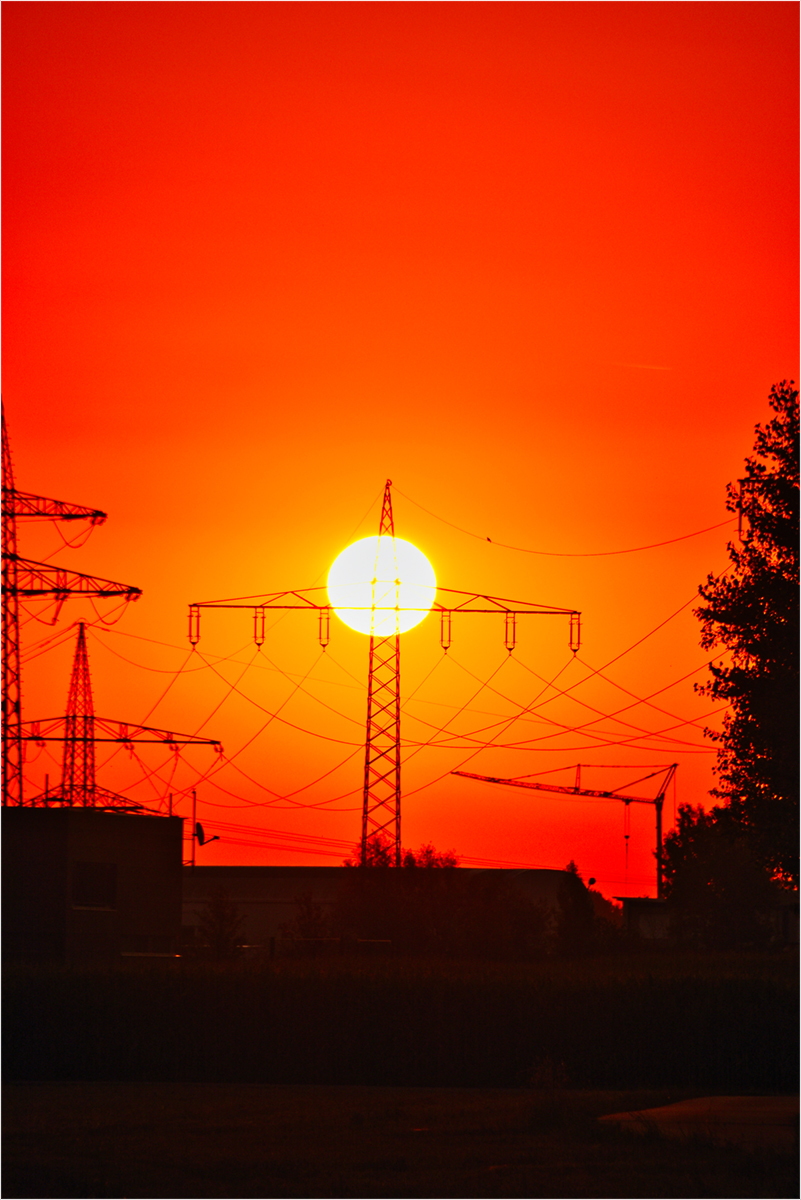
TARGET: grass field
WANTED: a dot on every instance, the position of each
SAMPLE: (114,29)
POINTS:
(199,1140)
(723,1024)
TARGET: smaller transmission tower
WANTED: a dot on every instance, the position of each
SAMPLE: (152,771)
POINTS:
(79,729)
(381,810)
(78,773)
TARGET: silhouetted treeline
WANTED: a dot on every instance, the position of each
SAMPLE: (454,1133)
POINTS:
(720,896)
(447,914)
(442,911)
(430,907)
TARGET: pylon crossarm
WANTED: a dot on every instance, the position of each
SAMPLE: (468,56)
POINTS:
(316,598)
(302,597)
(476,602)
(25,504)
(40,579)
(53,729)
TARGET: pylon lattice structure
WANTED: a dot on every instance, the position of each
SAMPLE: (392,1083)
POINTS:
(80,729)
(381,809)
(78,772)
(24,578)
(12,696)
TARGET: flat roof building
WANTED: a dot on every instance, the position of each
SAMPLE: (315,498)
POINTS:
(84,883)
(266,898)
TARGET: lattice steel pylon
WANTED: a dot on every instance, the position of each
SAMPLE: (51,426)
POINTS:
(12,698)
(25,578)
(381,810)
(78,772)
(79,729)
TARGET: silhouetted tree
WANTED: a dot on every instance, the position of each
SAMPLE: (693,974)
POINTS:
(753,612)
(429,906)
(608,922)
(428,856)
(575,922)
(220,925)
(720,894)
(405,905)
(310,920)
(497,920)
(378,852)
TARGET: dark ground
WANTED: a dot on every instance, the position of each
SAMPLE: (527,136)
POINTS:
(717,1024)
(232,1140)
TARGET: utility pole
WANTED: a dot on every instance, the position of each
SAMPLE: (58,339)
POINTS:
(25,578)
(381,807)
(657,802)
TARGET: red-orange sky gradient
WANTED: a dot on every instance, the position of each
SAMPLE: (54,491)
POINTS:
(537,263)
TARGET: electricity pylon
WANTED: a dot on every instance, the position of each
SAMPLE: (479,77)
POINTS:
(23,577)
(381,808)
(79,729)
(657,802)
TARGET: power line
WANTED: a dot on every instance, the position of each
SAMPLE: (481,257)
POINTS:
(563,553)
(274,716)
(564,728)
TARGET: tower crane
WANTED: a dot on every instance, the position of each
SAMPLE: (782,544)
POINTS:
(577,790)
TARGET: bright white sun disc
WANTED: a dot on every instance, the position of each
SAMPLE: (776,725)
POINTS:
(381,586)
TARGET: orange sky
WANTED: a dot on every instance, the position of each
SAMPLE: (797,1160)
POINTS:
(534,262)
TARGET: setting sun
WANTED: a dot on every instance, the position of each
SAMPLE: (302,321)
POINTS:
(381,586)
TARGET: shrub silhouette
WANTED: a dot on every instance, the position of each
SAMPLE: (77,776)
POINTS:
(575,922)
(220,926)
(719,894)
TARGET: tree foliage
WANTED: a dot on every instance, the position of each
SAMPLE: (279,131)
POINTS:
(575,923)
(220,925)
(311,920)
(720,893)
(752,611)
(428,906)
(379,852)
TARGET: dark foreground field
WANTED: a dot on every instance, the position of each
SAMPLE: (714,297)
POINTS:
(389,1077)
(198,1140)
(725,1025)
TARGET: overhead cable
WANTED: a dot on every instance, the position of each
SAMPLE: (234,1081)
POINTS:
(564,553)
